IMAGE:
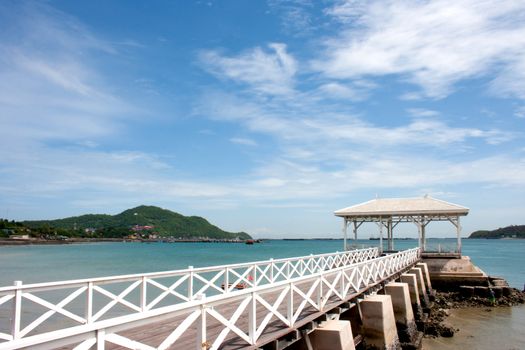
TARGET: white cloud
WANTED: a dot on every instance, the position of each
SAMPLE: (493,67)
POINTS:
(326,154)
(267,72)
(422,112)
(311,124)
(355,91)
(49,87)
(433,44)
(511,81)
(243,141)
(295,16)
(520,112)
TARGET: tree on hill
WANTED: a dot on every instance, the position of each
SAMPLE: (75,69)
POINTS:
(513,231)
(164,222)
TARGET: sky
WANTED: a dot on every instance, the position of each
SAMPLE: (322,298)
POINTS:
(262,116)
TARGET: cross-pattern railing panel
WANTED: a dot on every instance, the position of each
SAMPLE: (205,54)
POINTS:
(27,310)
(283,302)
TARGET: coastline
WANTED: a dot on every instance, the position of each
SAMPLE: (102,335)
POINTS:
(21,242)
(456,321)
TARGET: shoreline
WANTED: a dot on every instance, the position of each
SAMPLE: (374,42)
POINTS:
(21,242)
(441,324)
(482,328)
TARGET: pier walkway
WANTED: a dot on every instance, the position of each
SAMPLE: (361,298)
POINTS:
(249,305)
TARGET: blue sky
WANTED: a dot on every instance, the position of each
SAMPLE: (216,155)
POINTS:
(262,116)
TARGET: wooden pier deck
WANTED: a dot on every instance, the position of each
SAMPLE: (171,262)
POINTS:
(153,334)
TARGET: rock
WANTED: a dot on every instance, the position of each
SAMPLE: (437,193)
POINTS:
(447,331)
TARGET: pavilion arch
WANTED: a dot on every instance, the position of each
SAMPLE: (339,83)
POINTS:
(387,213)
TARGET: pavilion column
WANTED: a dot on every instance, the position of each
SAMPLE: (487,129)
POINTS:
(390,235)
(355,234)
(345,248)
(423,238)
(419,233)
(380,236)
(458,230)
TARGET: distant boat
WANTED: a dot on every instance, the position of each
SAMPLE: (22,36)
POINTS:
(374,238)
(249,241)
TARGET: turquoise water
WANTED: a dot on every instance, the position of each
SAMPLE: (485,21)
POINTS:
(43,263)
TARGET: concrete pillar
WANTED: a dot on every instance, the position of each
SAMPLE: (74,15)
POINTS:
(426,275)
(405,322)
(411,281)
(333,335)
(420,285)
(379,324)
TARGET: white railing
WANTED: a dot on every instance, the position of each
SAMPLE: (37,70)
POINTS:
(33,309)
(447,247)
(247,312)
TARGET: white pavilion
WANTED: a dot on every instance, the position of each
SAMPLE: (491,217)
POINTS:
(389,212)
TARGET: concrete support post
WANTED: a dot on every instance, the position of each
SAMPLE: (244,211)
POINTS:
(333,335)
(411,281)
(379,323)
(426,275)
(405,322)
(421,288)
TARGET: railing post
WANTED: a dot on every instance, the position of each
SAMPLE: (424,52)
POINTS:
(342,272)
(271,270)
(320,291)
(17,306)
(254,277)
(89,302)
(252,319)
(202,343)
(101,341)
(190,283)
(143,294)
(289,306)
(226,280)
(288,270)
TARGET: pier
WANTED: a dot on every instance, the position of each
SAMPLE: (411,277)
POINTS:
(362,297)
(267,304)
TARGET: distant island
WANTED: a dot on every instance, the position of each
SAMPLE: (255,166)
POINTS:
(142,222)
(513,231)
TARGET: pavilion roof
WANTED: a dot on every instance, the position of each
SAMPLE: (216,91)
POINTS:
(384,207)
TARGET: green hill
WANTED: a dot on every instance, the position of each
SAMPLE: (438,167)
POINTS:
(514,231)
(162,221)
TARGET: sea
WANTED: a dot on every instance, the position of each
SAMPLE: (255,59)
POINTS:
(46,263)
